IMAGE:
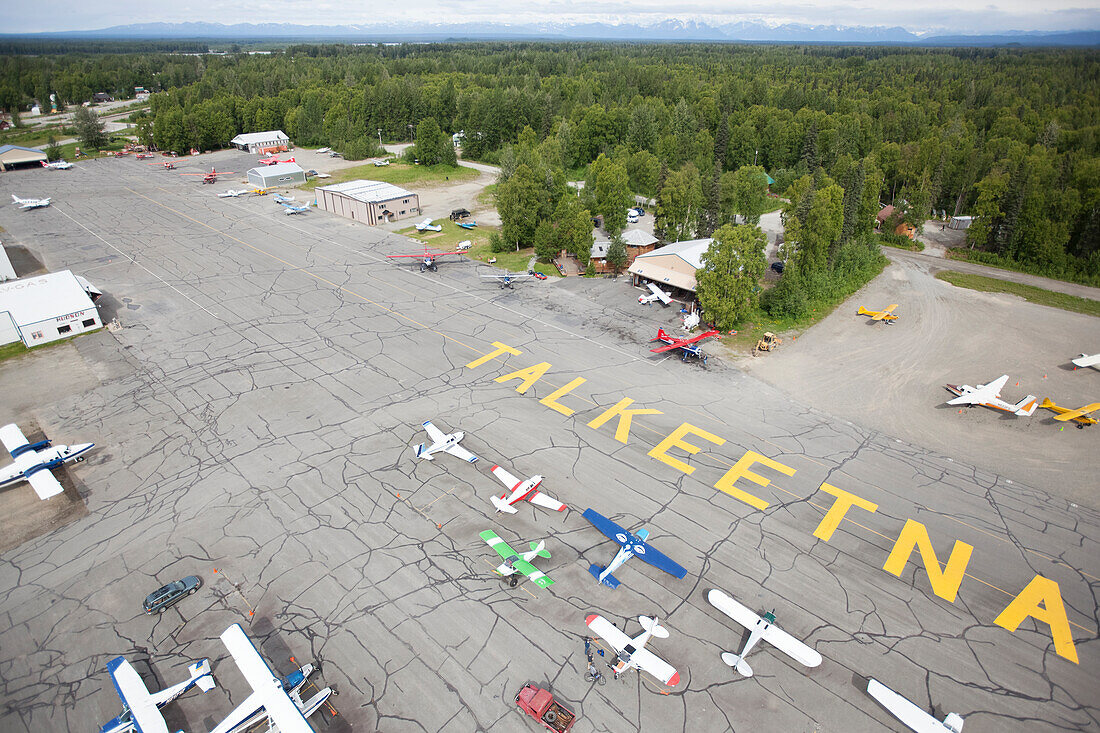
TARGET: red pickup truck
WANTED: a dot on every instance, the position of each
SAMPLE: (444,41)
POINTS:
(540,705)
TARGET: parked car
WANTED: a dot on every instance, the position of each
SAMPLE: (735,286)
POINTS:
(310,173)
(459,214)
(159,600)
(536,275)
(777,267)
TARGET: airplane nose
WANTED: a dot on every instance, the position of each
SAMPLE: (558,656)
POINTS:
(460,435)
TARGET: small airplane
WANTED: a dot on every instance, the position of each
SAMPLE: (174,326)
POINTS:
(260,191)
(143,156)
(29,203)
(211,177)
(273,699)
(33,461)
(521,490)
(324,150)
(886,315)
(655,293)
(169,165)
(507,279)
(911,715)
(59,165)
(467,224)
(293,209)
(989,395)
(275,159)
(632,652)
(140,708)
(761,627)
(1084,360)
(380,163)
(464,245)
(281,199)
(233,193)
(1065,414)
(427,258)
(426,226)
(687,347)
(444,443)
(630,545)
(515,562)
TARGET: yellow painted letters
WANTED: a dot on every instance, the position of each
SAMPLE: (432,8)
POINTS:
(500,349)
(527,376)
(741,470)
(675,440)
(551,400)
(1052,612)
(622,431)
(844,501)
(945,583)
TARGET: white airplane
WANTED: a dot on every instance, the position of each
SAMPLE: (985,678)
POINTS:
(521,490)
(989,395)
(140,708)
(276,700)
(911,715)
(59,165)
(691,321)
(29,203)
(761,628)
(632,652)
(426,226)
(292,209)
(444,443)
(34,461)
(1084,360)
(507,279)
(655,293)
(234,193)
(324,150)
(380,163)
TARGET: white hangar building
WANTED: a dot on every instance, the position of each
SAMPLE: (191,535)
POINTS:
(280,174)
(44,308)
(272,141)
(368,201)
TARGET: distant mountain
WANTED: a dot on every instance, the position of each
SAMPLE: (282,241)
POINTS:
(666,30)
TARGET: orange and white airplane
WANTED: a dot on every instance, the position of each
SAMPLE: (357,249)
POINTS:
(886,314)
(1065,414)
(989,395)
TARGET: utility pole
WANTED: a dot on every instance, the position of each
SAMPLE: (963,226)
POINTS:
(754,154)
(380,138)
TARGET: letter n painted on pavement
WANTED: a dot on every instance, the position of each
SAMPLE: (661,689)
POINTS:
(945,583)
(500,350)
(1052,612)
(622,430)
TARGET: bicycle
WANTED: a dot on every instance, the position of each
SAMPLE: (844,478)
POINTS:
(594,675)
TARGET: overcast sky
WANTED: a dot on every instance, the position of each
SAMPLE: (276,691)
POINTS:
(968,16)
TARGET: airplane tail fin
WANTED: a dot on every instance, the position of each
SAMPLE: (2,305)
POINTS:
(737,663)
(953,722)
(610,581)
(421,454)
(1047,404)
(540,549)
(1026,406)
(200,672)
(651,625)
(863,311)
(661,335)
(503,506)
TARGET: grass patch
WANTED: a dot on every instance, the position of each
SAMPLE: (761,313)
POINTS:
(452,234)
(68,151)
(488,195)
(1027,292)
(399,174)
(899,242)
(32,138)
(990,259)
(16,349)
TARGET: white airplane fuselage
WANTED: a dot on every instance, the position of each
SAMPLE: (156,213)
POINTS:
(308,707)
(30,203)
(523,491)
(627,545)
(200,675)
(45,459)
(506,568)
(737,661)
(982,395)
(451,440)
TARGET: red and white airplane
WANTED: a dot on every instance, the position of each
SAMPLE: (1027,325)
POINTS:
(521,490)
(632,652)
(687,347)
(211,177)
(60,165)
(427,258)
(275,159)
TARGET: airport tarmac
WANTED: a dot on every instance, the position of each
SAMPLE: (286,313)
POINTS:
(256,415)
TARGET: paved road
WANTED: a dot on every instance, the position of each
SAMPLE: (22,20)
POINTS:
(257,415)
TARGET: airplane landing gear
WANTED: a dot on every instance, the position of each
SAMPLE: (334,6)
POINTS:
(514,581)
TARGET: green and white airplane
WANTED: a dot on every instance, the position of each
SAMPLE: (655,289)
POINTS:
(515,562)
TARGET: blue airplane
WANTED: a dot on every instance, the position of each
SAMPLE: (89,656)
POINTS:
(630,545)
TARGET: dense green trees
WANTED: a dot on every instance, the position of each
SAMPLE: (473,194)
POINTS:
(727,284)
(89,128)
(433,146)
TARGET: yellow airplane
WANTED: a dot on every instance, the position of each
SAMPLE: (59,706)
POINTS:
(1079,416)
(882,315)
(260,191)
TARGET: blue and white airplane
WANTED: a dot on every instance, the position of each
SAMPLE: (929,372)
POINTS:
(34,461)
(292,209)
(444,443)
(630,545)
(140,708)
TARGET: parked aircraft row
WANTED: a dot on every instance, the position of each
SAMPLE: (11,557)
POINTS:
(631,653)
(989,395)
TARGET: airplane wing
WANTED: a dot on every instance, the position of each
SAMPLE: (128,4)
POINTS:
(1073,414)
(641,658)
(669,347)
(280,708)
(545,501)
(603,524)
(12,438)
(494,541)
(884,312)
(459,452)
(659,560)
(659,293)
(904,710)
(608,631)
(434,433)
(135,695)
(732,608)
(774,635)
(539,578)
(506,478)
(982,394)
(44,483)
(1084,360)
